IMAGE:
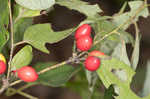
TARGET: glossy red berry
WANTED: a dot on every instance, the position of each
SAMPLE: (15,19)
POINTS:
(27,74)
(84,43)
(2,67)
(96,53)
(92,63)
(83,30)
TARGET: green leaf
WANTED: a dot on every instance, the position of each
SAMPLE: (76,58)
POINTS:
(39,34)
(80,85)
(19,28)
(4,36)
(110,93)
(93,20)
(146,87)
(55,77)
(83,7)
(120,52)
(36,4)
(22,58)
(4,12)
(29,13)
(24,12)
(92,78)
(108,44)
(135,7)
(104,27)
(123,8)
(107,74)
(4,20)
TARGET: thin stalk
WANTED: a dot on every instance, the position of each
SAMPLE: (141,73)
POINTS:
(26,95)
(52,67)
(11,38)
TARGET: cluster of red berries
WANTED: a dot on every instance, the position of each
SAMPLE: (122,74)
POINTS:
(84,43)
(26,73)
(83,37)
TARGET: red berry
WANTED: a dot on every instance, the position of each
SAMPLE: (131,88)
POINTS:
(92,63)
(27,74)
(84,29)
(84,43)
(2,67)
(96,53)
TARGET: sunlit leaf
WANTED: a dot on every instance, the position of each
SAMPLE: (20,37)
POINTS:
(107,74)
(20,27)
(22,58)
(36,4)
(83,7)
(39,34)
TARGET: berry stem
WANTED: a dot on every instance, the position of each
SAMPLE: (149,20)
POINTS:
(15,82)
(26,95)
(52,67)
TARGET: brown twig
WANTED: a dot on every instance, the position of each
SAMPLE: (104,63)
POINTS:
(11,38)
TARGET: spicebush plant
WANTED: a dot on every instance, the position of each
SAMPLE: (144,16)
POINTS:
(103,57)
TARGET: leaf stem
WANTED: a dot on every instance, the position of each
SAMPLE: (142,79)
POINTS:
(19,16)
(19,43)
(135,53)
